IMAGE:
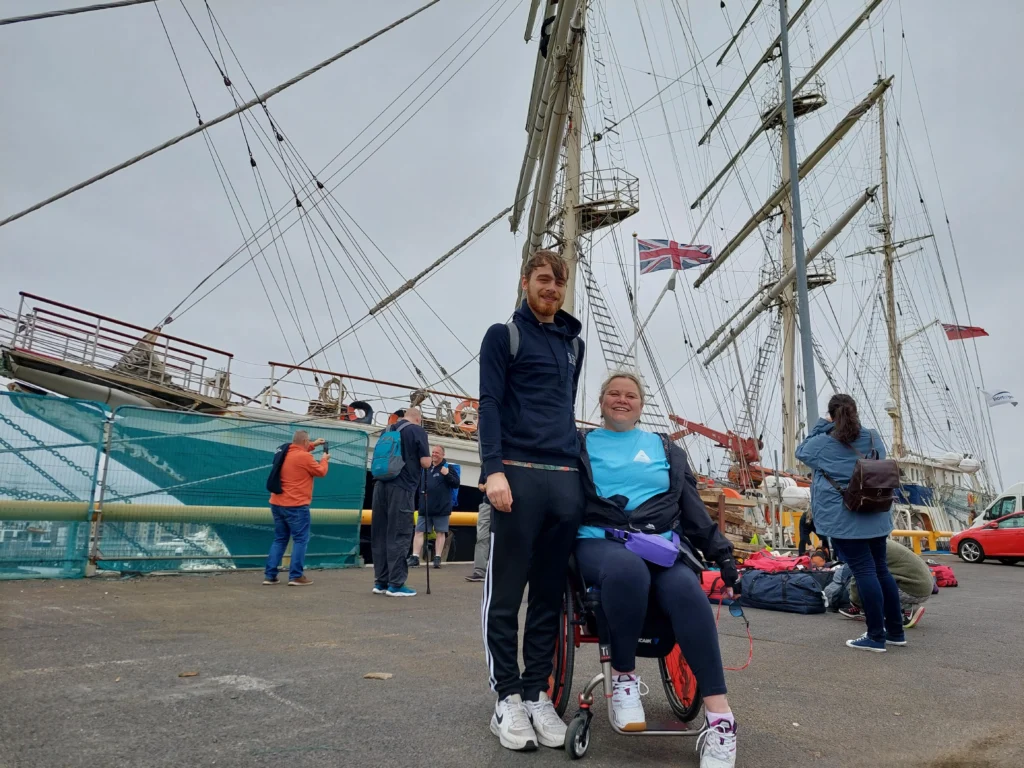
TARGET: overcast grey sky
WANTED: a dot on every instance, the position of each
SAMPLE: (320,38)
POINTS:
(82,93)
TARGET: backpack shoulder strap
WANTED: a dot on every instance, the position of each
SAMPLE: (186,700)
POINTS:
(873,453)
(400,427)
(513,339)
(832,482)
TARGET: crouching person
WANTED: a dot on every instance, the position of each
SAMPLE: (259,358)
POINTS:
(913,578)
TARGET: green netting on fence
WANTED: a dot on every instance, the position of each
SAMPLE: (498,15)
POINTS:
(188,492)
(49,453)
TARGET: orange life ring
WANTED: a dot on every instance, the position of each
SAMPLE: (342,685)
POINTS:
(467,413)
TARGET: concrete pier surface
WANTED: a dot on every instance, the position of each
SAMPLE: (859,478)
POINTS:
(220,671)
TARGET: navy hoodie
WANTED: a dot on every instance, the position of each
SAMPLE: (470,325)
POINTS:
(527,405)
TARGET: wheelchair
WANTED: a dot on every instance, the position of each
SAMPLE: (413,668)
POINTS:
(582,622)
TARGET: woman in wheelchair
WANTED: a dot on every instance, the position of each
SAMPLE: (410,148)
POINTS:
(637,482)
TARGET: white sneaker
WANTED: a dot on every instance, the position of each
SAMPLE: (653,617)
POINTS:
(627,709)
(511,724)
(717,745)
(547,724)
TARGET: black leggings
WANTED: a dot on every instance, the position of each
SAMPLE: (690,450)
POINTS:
(625,580)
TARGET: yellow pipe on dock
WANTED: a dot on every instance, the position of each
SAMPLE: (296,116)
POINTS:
(916,537)
(457,518)
(57,511)
(161,513)
(791,519)
(117,512)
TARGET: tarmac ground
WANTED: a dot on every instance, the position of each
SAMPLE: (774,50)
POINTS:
(218,670)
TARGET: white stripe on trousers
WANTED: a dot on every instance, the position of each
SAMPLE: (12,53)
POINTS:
(485,606)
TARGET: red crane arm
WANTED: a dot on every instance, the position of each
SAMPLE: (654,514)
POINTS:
(742,446)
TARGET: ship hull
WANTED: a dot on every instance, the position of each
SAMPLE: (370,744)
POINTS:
(161,457)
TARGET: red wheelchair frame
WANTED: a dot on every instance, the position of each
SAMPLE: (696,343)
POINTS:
(579,625)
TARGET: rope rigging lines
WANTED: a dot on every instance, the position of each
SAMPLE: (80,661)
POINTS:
(360,267)
(71,11)
(394,124)
(219,119)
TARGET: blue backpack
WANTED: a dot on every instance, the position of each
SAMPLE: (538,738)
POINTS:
(387,460)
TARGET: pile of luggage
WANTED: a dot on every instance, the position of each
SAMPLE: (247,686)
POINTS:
(795,585)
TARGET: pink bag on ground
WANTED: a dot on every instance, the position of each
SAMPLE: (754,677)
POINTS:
(765,561)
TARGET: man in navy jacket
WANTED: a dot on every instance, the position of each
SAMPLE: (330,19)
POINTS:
(435,504)
(530,451)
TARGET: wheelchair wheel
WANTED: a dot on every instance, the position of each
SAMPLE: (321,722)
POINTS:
(560,681)
(680,686)
(577,735)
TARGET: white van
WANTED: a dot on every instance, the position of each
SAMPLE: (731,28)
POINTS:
(1008,502)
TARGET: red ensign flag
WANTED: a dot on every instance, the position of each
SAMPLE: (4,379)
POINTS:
(954,332)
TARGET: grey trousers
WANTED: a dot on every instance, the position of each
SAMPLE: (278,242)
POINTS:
(391,527)
(483,537)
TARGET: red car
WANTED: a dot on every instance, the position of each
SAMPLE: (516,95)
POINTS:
(1002,539)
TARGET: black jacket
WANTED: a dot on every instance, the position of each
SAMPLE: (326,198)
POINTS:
(527,404)
(680,508)
(274,479)
(438,490)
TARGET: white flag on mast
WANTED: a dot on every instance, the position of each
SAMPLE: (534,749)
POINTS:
(1001,397)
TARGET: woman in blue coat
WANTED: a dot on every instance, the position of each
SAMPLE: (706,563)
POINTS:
(833,447)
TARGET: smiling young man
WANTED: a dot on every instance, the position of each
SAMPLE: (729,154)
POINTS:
(529,372)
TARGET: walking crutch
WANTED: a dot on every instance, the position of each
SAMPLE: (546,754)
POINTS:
(426,526)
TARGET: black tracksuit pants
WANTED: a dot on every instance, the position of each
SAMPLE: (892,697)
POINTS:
(529,545)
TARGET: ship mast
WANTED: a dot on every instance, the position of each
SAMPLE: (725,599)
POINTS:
(571,194)
(556,100)
(784,290)
(788,310)
(893,408)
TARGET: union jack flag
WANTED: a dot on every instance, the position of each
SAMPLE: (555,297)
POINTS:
(656,255)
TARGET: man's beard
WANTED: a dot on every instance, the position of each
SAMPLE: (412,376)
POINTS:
(536,304)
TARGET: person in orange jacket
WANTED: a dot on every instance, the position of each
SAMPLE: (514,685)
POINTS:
(291,487)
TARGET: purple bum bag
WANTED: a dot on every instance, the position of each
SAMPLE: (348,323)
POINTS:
(650,546)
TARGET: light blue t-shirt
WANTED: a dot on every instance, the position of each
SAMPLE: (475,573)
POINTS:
(631,464)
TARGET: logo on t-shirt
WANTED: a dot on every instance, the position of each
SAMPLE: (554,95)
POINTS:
(642,457)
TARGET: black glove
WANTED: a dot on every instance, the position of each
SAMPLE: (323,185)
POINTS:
(729,573)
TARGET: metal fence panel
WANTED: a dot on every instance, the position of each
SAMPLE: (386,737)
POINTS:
(186,492)
(49,454)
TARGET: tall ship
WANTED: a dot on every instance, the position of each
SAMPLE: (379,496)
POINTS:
(702,302)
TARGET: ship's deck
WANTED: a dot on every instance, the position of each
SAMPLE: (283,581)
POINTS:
(90,675)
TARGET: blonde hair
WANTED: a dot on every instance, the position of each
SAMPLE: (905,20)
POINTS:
(621,375)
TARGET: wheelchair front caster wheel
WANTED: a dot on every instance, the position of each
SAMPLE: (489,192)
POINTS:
(577,736)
